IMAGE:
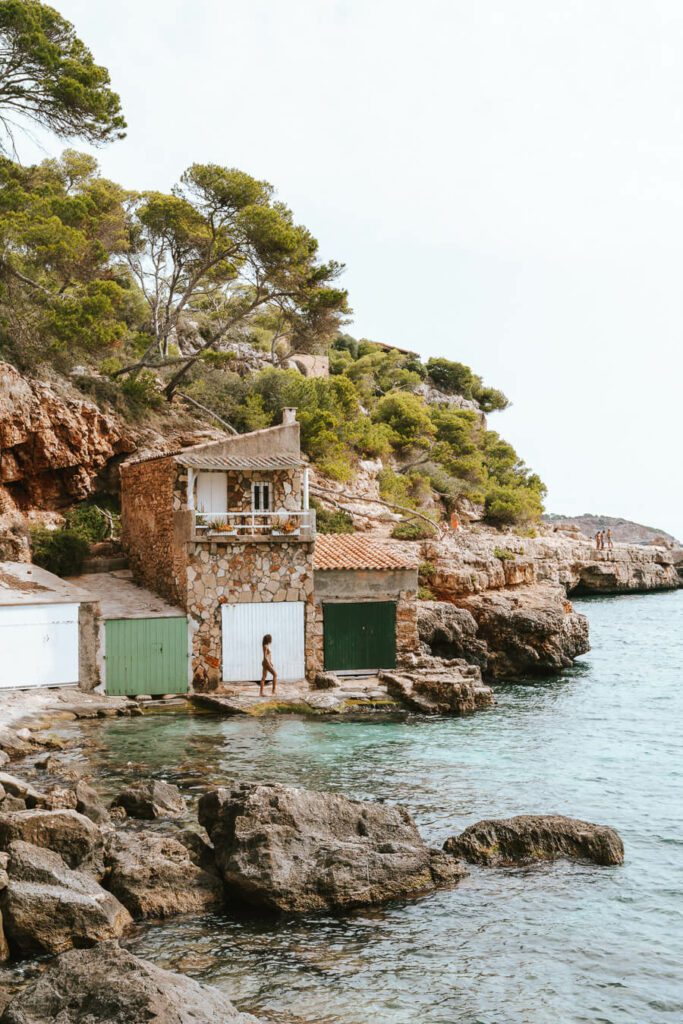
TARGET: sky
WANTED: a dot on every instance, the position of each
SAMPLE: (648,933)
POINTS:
(503,180)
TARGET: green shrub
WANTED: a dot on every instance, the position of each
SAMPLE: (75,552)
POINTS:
(58,551)
(505,506)
(90,522)
(331,521)
(412,529)
(425,594)
(504,554)
(408,417)
(143,391)
(426,572)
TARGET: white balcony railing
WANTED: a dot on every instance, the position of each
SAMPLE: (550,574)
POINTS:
(255,524)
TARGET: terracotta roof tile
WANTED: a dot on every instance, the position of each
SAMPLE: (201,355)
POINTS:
(351,551)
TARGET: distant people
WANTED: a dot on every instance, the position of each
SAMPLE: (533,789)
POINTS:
(598,540)
(267,667)
(610,543)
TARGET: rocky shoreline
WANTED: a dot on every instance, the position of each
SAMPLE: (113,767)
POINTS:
(77,872)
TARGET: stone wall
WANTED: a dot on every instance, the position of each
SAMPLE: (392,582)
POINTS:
(243,573)
(149,534)
(337,585)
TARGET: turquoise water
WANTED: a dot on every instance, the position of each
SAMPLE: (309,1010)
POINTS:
(556,943)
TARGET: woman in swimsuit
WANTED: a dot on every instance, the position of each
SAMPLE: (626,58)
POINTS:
(267,664)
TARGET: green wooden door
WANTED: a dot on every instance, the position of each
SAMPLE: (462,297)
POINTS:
(146,656)
(360,635)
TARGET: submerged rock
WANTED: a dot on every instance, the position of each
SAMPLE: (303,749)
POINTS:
(151,799)
(532,837)
(108,985)
(48,908)
(437,687)
(155,876)
(288,849)
(70,834)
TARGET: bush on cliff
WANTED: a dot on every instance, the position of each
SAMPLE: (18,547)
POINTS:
(58,551)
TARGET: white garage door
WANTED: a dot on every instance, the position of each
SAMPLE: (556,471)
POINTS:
(38,645)
(244,626)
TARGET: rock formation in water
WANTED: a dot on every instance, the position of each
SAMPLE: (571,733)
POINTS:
(536,837)
(155,876)
(294,850)
(436,686)
(503,598)
(151,798)
(47,907)
(108,985)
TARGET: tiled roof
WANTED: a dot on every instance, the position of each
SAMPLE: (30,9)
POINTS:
(265,462)
(351,551)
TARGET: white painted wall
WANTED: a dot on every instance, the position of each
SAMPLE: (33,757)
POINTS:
(38,645)
(244,626)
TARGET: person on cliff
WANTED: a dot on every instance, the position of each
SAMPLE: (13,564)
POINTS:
(610,543)
(598,540)
(267,664)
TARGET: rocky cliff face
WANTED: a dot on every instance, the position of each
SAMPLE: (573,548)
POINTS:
(503,599)
(52,445)
(57,448)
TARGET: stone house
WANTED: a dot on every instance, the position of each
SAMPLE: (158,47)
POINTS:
(364,601)
(225,531)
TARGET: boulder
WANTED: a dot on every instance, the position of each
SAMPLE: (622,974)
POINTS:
(287,849)
(4,758)
(57,798)
(155,876)
(528,630)
(533,837)
(151,799)
(109,985)
(89,804)
(17,787)
(48,908)
(13,745)
(68,833)
(450,632)
(325,681)
(434,686)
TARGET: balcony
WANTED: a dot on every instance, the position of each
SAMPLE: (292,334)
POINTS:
(255,526)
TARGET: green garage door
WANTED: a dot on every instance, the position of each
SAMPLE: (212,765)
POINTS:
(360,635)
(146,656)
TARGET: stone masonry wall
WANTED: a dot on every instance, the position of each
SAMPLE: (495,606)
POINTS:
(147,525)
(243,573)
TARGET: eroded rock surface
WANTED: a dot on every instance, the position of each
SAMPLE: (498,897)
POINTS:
(70,834)
(154,876)
(434,686)
(151,799)
(108,985)
(529,630)
(52,445)
(289,849)
(48,908)
(531,837)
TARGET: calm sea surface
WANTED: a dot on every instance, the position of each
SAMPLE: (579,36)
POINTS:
(557,943)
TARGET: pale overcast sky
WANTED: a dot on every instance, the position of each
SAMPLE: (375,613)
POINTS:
(504,181)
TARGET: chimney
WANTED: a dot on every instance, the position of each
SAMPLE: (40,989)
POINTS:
(288,416)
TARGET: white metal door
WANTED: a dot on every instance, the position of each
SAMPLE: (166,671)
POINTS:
(245,625)
(38,645)
(212,492)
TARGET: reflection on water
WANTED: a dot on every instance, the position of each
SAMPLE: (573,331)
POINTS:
(558,943)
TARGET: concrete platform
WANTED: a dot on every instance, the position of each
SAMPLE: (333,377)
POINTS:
(121,598)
